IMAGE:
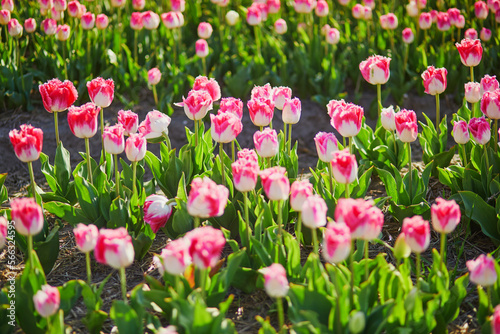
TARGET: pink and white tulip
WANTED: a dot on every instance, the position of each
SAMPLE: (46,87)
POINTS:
(326,144)
(299,192)
(129,120)
(314,212)
(470,52)
(388,118)
(347,120)
(155,125)
(473,92)
(488,84)
(280,26)
(344,166)
(480,130)
(417,233)
(225,127)
(279,95)
(275,281)
(482,270)
(261,111)
(58,96)
(157,211)
(408,36)
(205,246)
(406,125)
(101,21)
(201,47)
(206,198)
(336,242)
(114,248)
(47,300)
(3,231)
(266,142)
(101,92)
(364,220)
(375,69)
(434,80)
(209,85)
(82,120)
(461,132)
(291,111)
(135,147)
(30,25)
(197,104)
(490,104)
(114,142)
(175,258)
(245,173)
(275,183)
(27,142)
(27,215)
(445,215)
(154,76)
(205,30)
(86,237)
(231,105)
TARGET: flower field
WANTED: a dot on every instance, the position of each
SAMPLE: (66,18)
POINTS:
(245,166)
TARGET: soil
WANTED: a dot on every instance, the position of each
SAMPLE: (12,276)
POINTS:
(71,263)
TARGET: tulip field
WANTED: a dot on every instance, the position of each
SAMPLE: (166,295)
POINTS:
(239,166)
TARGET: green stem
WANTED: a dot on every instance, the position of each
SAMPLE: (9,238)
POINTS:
(471,74)
(395,143)
(103,154)
(486,157)
(221,156)
(89,164)
(203,281)
(367,257)
(281,315)
(285,132)
(196,132)
(196,222)
(64,60)
(350,145)
(134,178)
(247,220)
(56,124)
(409,170)
(351,265)
(315,241)
(135,46)
(418,270)
(437,112)
(32,180)
(204,65)
(488,290)
(289,139)
(298,231)
(30,249)
(343,142)
(257,41)
(442,250)
(268,159)
(123,281)
(117,175)
(496,135)
(379,99)
(338,321)
(279,232)
(233,151)
(330,170)
(89,272)
(155,95)
(347,190)
(464,152)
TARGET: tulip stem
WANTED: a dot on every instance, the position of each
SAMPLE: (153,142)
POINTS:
(32,179)
(410,193)
(418,270)
(298,231)
(347,190)
(135,47)
(30,250)
(123,280)
(488,290)
(315,242)
(203,280)
(285,132)
(278,246)
(268,162)
(134,178)
(63,46)
(221,156)
(195,132)
(257,41)
(471,74)
(464,152)
(155,95)
(351,265)
(330,170)
(281,314)
(486,157)
(89,273)
(496,135)
(350,145)
(117,175)
(367,257)
(247,220)
(204,66)
(89,164)
(395,144)
(233,151)
(442,251)
(196,222)
(338,321)
(102,133)
(379,99)
(56,124)
(289,139)
(437,112)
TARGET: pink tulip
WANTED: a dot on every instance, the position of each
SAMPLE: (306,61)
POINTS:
(56,15)
(291,111)
(201,48)
(333,36)
(408,36)
(375,69)
(118,3)
(155,125)
(471,33)
(129,120)
(245,173)
(304,6)
(27,215)
(314,212)
(58,96)
(434,80)
(364,220)
(358,11)
(275,281)
(205,30)
(86,237)
(326,144)
(369,3)
(101,91)
(497,16)
(347,120)
(461,132)
(344,166)
(135,147)
(82,120)
(490,104)
(197,104)
(157,211)
(406,125)
(209,85)
(30,25)
(443,21)
(388,118)
(74,9)
(412,9)
(279,95)
(178,5)
(445,215)
(280,26)
(470,52)
(481,10)
(138,4)
(246,154)
(88,21)
(175,258)
(114,248)
(206,199)
(154,76)
(62,32)
(205,246)
(14,28)
(261,111)
(275,183)
(266,142)
(460,22)
(262,92)
(344,2)
(336,242)
(473,92)
(425,21)
(8,5)
(480,130)
(114,142)
(172,20)
(482,270)
(27,142)
(45,4)
(368,15)
(273,6)
(254,15)
(495,321)
(453,14)
(299,192)
(47,301)
(136,22)
(225,127)
(389,21)
(321,9)
(488,84)
(101,21)
(417,233)
(232,17)
(434,15)
(49,26)
(231,105)
(150,20)
(3,231)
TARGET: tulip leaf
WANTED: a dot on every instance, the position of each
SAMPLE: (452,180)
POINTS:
(67,212)
(87,198)
(125,318)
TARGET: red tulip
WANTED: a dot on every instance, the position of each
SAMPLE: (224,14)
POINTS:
(58,96)
(82,120)
(101,91)
(27,142)
(470,52)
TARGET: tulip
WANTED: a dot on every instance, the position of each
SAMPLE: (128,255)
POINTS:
(4,17)
(196,106)
(157,211)
(389,21)
(62,32)
(136,22)
(279,95)
(347,121)
(88,21)
(3,231)
(481,10)
(443,22)
(460,23)
(27,142)
(74,9)
(205,30)
(150,20)
(275,281)
(206,199)
(471,33)
(368,15)
(364,220)
(326,144)
(28,218)
(470,52)
(483,272)
(225,127)
(174,258)
(425,21)
(406,125)
(8,5)
(155,126)
(490,106)
(232,17)
(114,143)
(209,85)
(332,36)
(138,4)
(375,70)
(231,105)
(417,234)
(344,168)
(205,246)
(280,26)
(314,215)
(358,11)
(261,111)
(488,84)
(299,192)
(262,92)
(135,149)
(101,21)
(86,240)
(202,49)
(254,15)
(445,218)
(30,25)
(129,120)
(388,119)
(336,242)
(14,28)
(453,14)
(172,20)
(266,143)
(408,36)
(495,320)
(47,301)
(435,84)
(480,130)
(178,5)
(101,93)
(401,248)
(473,92)
(246,154)
(461,136)
(275,183)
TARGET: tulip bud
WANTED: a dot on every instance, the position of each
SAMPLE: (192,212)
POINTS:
(357,322)
(275,183)
(336,242)
(27,142)
(135,147)
(266,142)
(225,127)
(101,91)
(417,233)
(388,118)
(245,174)
(299,192)
(461,132)
(47,301)
(205,30)
(154,76)
(232,17)
(275,281)
(206,198)
(114,142)
(401,248)
(326,144)
(206,244)
(157,211)
(445,215)
(175,258)
(155,126)
(86,237)
(332,36)
(344,166)
(406,125)
(129,120)
(201,48)
(482,270)
(408,36)
(314,212)
(480,130)
(473,92)
(114,248)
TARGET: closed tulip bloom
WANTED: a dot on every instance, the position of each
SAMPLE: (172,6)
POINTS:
(425,21)
(261,111)
(336,242)
(135,147)
(197,104)
(490,104)
(154,76)
(209,85)
(275,183)
(114,248)
(245,173)
(445,215)
(206,198)
(434,80)
(172,20)
(275,281)
(266,142)
(63,32)
(443,21)
(101,91)
(364,220)
(47,301)
(453,14)
(369,3)
(389,21)
(155,125)
(136,22)
(471,33)
(470,52)
(326,144)
(88,21)
(75,9)
(262,92)
(205,30)
(56,15)
(314,212)
(321,9)
(412,9)
(488,84)
(118,3)
(49,26)
(481,10)
(175,258)
(82,120)
(45,5)
(408,36)
(460,22)
(3,231)
(157,211)
(225,127)
(344,2)
(178,5)
(344,166)
(299,192)
(497,16)
(30,25)
(27,215)
(417,233)
(461,132)
(246,154)
(368,15)
(406,125)
(358,11)
(347,121)
(388,118)
(27,142)
(495,321)
(129,120)
(473,92)
(205,246)
(280,94)
(138,4)
(58,96)
(480,130)
(304,6)
(231,105)
(291,111)
(273,6)
(14,28)
(86,237)
(434,15)
(8,5)
(254,15)
(201,48)
(482,270)
(150,20)
(375,69)
(232,17)
(114,142)
(101,21)
(333,36)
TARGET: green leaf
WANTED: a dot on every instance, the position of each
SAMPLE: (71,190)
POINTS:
(69,294)
(87,198)
(67,213)
(125,318)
